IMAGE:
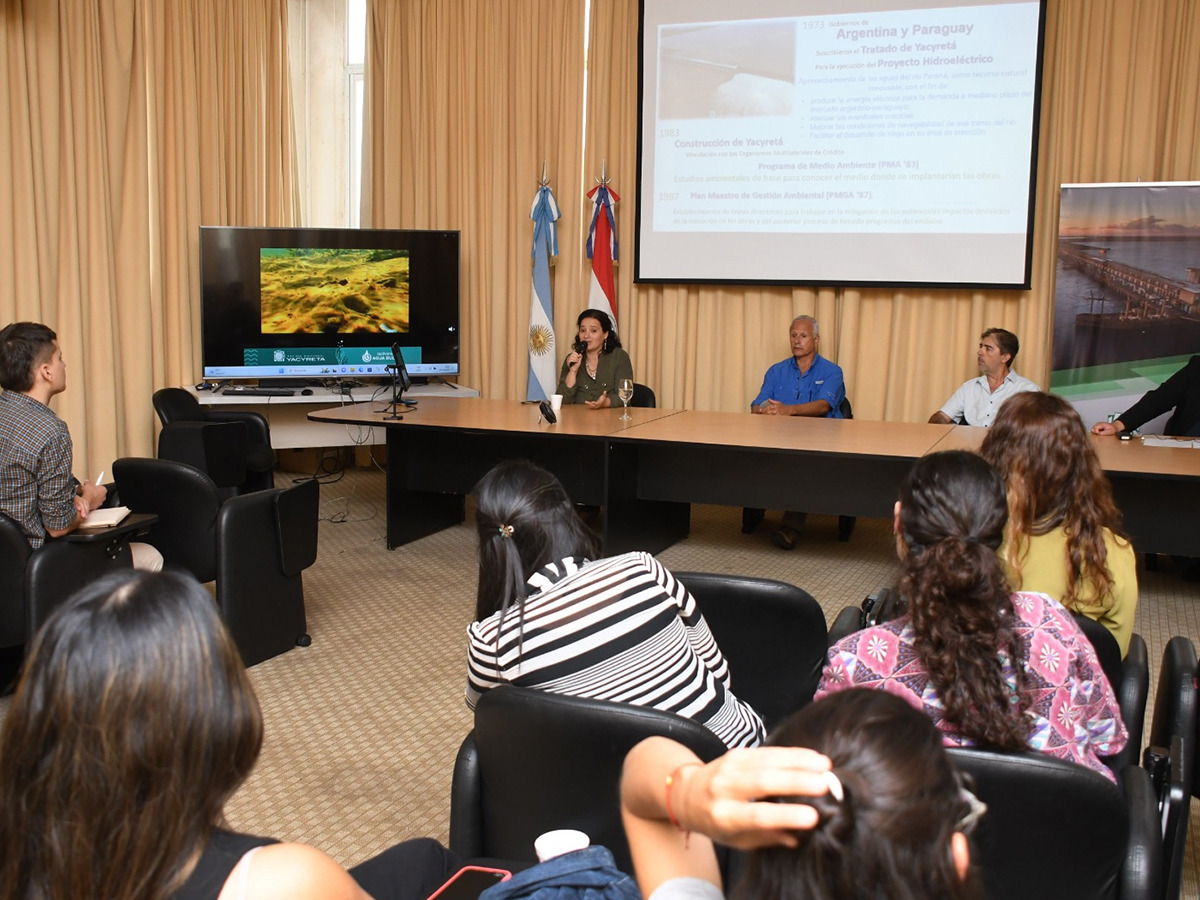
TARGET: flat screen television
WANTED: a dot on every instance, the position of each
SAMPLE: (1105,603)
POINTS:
(319,303)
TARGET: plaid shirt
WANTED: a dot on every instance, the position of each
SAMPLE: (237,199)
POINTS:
(37,488)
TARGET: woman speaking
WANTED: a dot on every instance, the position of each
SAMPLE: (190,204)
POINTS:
(593,371)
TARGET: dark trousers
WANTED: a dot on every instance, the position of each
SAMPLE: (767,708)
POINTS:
(411,870)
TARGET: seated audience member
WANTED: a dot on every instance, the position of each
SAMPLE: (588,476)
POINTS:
(1180,392)
(593,371)
(37,489)
(977,401)
(1063,536)
(804,384)
(992,669)
(132,725)
(871,807)
(549,615)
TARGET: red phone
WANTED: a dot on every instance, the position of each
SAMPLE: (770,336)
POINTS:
(469,882)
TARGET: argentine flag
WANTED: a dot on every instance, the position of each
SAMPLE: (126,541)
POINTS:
(542,380)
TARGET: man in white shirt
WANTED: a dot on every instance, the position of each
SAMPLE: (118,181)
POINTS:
(978,400)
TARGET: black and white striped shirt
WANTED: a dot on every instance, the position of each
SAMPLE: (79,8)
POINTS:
(619,629)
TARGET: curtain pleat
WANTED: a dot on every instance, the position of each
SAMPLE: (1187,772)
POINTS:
(464,102)
(130,123)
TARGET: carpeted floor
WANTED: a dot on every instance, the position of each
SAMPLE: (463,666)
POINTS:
(362,727)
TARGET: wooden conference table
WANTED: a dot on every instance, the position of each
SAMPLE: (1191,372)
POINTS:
(647,471)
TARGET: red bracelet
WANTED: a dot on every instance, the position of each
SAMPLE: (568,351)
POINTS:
(671,779)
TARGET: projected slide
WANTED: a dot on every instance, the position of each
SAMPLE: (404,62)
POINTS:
(851,144)
(329,291)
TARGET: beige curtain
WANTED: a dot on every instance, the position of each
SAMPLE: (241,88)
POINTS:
(130,123)
(464,103)
(75,224)
(1121,93)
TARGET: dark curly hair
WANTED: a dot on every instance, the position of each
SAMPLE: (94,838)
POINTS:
(611,341)
(1041,448)
(952,516)
(891,835)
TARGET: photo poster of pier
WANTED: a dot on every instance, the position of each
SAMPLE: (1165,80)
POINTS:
(1126,293)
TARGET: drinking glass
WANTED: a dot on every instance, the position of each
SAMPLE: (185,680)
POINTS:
(625,392)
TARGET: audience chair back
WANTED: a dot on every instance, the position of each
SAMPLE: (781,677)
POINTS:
(538,761)
(1173,733)
(1130,680)
(254,545)
(186,502)
(14,557)
(771,633)
(34,582)
(642,396)
(1104,841)
(232,445)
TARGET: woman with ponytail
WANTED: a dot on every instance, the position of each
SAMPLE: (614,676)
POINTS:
(992,669)
(854,798)
(550,615)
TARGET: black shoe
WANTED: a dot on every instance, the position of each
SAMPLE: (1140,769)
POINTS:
(785,538)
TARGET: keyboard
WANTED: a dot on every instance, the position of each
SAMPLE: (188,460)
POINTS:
(245,390)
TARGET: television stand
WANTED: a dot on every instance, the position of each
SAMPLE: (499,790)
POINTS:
(290,426)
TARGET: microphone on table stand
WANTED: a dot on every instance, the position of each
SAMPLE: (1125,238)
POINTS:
(400,381)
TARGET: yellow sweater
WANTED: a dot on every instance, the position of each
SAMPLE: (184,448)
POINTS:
(1044,568)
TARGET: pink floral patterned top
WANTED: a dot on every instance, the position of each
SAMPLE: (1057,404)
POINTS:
(1071,706)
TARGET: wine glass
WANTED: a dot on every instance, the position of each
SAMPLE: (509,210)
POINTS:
(625,392)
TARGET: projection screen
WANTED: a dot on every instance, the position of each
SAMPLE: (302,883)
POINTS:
(857,142)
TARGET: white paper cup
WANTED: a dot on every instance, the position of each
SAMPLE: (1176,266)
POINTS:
(556,405)
(556,843)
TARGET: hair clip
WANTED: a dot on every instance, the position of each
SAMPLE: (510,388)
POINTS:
(833,784)
(506,531)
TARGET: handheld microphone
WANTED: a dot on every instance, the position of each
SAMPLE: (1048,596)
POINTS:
(580,346)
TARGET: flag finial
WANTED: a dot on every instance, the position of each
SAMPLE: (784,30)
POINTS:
(603,179)
(544,181)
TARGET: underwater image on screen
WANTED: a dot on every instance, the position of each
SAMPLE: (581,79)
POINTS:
(323,291)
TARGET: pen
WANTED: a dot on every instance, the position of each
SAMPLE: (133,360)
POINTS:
(99,478)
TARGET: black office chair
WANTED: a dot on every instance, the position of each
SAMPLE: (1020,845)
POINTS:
(537,761)
(1100,840)
(1130,680)
(642,396)
(772,635)
(256,546)
(34,582)
(1173,739)
(233,446)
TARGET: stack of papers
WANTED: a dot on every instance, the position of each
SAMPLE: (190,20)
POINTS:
(1159,440)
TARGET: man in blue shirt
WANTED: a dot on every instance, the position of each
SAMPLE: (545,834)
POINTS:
(805,384)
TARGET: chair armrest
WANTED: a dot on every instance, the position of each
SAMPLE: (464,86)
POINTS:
(1141,876)
(466,802)
(258,431)
(1131,697)
(848,621)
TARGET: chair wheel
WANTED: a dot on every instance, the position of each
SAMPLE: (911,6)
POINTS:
(304,640)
